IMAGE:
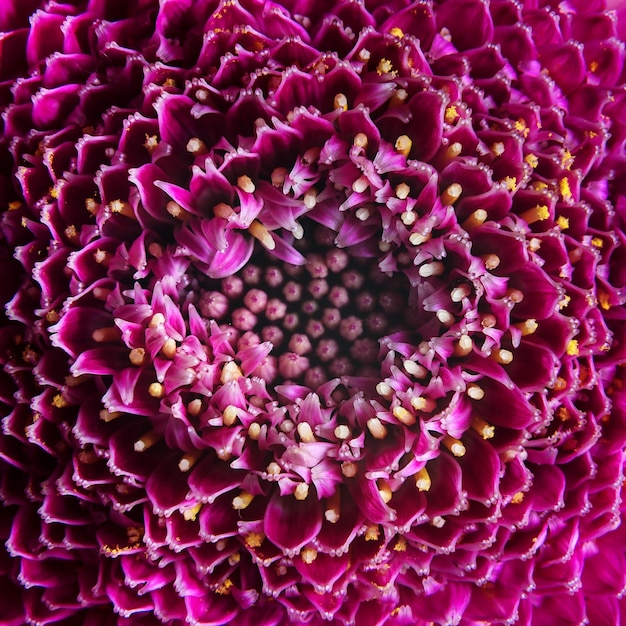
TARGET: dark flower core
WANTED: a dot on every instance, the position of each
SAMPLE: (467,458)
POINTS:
(313,313)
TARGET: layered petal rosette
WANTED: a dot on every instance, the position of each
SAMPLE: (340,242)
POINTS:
(313,313)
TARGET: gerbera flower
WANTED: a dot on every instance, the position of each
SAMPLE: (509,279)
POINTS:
(314,313)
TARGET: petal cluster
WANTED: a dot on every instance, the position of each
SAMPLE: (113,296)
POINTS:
(313,313)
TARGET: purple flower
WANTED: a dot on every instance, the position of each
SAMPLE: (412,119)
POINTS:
(313,313)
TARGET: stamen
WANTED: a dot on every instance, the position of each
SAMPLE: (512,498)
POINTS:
(177,211)
(402,415)
(169,348)
(399,97)
(230,371)
(360,140)
(384,390)
(109,416)
(514,295)
(376,428)
(273,469)
(502,356)
(402,191)
(414,369)
(483,428)
(260,232)
(306,432)
(360,184)
(242,501)
(528,327)
(436,268)
(362,214)
(478,217)
(188,460)
(461,291)
(308,555)
(438,521)
(491,261)
(279,175)
(455,446)
(120,207)
(425,405)
(301,492)
(340,102)
(156,390)
(230,415)
(106,335)
(147,441)
(223,210)
(451,194)
(463,346)
(538,213)
(333,507)
(158,319)
(310,198)
(245,184)
(475,392)
(408,218)
(342,432)
(196,146)
(422,480)
(349,469)
(417,239)
(453,151)
(194,408)
(404,145)
(384,490)
(372,533)
(445,317)
(254,431)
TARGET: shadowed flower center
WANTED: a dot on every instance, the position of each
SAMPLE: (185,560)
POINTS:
(324,319)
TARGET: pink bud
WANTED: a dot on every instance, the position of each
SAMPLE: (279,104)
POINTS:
(255,300)
(292,365)
(213,305)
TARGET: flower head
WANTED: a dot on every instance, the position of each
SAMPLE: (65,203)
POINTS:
(314,313)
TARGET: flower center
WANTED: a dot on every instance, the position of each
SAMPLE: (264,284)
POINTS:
(324,319)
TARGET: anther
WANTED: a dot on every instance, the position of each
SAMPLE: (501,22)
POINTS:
(538,213)
(502,356)
(306,433)
(302,491)
(156,390)
(188,460)
(254,431)
(196,146)
(402,191)
(455,446)
(147,441)
(333,507)
(445,317)
(491,261)
(414,369)
(342,432)
(417,239)
(384,390)
(478,217)
(340,102)
(278,176)
(402,415)
(453,151)
(242,501)
(223,210)
(360,140)
(310,198)
(120,207)
(425,405)
(376,428)
(158,319)
(475,392)
(106,335)
(461,291)
(528,327)
(194,408)
(273,469)
(169,348)
(245,184)
(436,268)
(408,218)
(403,145)
(451,194)
(308,555)
(422,480)
(349,469)
(384,490)
(514,295)
(230,371)
(260,232)
(360,184)
(230,415)
(109,416)
(483,428)
(463,346)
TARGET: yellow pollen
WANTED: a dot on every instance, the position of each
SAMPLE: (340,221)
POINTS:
(190,514)
(478,217)
(396,32)
(510,182)
(402,191)
(71,232)
(451,194)
(13,206)
(520,127)
(605,300)
(59,401)
(565,189)
(598,242)
(150,143)
(562,222)
(245,184)
(372,533)
(230,414)
(426,405)
(483,428)
(564,302)
(230,371)
(260,232)
(224,588)
(450,115)
(518,497)
(572,347)
(156,390)
(538,213)
(254,540)
(593,66)
(532,160)
(400,545)
(528,327)
(385,67)
(563,414)
(567,159)
(384,490)
(308,555)
(498,148)
(137,356)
